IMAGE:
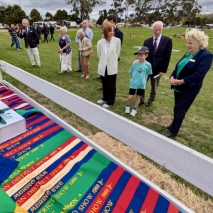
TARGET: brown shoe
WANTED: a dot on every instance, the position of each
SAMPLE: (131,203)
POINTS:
(100,88)
(32,66)
(39,66)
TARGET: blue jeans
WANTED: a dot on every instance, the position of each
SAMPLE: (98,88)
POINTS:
(15,41)
(79,62)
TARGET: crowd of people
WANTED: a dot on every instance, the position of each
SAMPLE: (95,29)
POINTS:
(153,58)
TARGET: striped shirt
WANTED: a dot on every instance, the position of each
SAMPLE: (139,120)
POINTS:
(12,32)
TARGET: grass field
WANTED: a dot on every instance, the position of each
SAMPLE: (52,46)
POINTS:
(196,131)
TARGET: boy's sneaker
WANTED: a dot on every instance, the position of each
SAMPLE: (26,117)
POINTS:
(133,112)
(101,102)
(127,109)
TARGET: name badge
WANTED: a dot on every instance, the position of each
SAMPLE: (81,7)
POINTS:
(192,60)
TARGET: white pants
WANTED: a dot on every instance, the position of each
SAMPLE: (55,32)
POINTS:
(33,52)
(65,61)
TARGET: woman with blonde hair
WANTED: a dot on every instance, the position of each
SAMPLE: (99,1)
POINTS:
(187,78)
(85,49)
(65,51)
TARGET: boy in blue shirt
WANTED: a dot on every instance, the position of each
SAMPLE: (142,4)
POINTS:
(139,71)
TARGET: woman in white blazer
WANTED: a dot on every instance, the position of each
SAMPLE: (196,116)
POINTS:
(108,50)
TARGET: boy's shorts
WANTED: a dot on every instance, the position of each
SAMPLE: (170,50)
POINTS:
(139,92)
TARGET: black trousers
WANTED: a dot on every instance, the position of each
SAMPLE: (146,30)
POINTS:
(109,88)
(182,104)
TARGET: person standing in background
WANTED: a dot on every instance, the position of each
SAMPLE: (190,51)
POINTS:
(39,31)
(160,49)
(18,31)
(52,30)
(84,48)
(65,51)
(31,39)
(14,37)
(45,31)
(89,34)
(117,32)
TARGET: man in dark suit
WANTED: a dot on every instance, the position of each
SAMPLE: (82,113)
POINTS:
(52,30)
(31,39)
(117,32)
(160,48)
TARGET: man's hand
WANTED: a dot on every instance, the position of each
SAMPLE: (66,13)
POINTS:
(161,73)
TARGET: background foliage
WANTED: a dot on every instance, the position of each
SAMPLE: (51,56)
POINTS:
(171,12)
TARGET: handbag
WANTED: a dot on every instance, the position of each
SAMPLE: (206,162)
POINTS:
(87,53)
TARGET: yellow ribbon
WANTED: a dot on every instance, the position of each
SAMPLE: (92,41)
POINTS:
(19,209)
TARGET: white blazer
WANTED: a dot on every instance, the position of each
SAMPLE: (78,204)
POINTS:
(108,58)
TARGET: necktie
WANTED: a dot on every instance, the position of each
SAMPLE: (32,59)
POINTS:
(155,45)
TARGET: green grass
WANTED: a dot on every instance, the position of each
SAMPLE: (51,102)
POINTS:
(196,131)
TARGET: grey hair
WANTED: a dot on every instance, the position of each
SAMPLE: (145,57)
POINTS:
(157,23)
(25,21)
(80,33)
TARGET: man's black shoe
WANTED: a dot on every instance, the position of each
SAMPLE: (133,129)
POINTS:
(78,71)
(141,103)
(148,104)
(168,126)
(169,134)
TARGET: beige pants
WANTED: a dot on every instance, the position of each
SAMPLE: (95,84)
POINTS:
(85,65)
(65,60)
(33,52)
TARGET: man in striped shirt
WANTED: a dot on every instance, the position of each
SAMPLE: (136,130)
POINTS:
(14,37)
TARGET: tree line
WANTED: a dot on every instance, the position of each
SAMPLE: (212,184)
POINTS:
(171,12)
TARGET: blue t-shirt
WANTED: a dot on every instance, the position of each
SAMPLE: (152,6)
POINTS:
(139,72)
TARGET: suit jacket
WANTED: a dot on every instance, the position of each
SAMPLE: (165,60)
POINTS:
(118,34)
(108,58)
(31,37)
(194,72)
(159,61)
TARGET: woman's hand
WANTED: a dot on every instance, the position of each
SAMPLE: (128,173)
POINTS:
(174,82)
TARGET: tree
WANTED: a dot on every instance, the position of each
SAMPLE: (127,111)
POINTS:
(61,15)
(35,15)
(142,10)
(127,5)
(102,17)
(50,17)
(14,14)
(83,8)
(189,10)
(118,7)
(74,17)
(2,14)
(176,11)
